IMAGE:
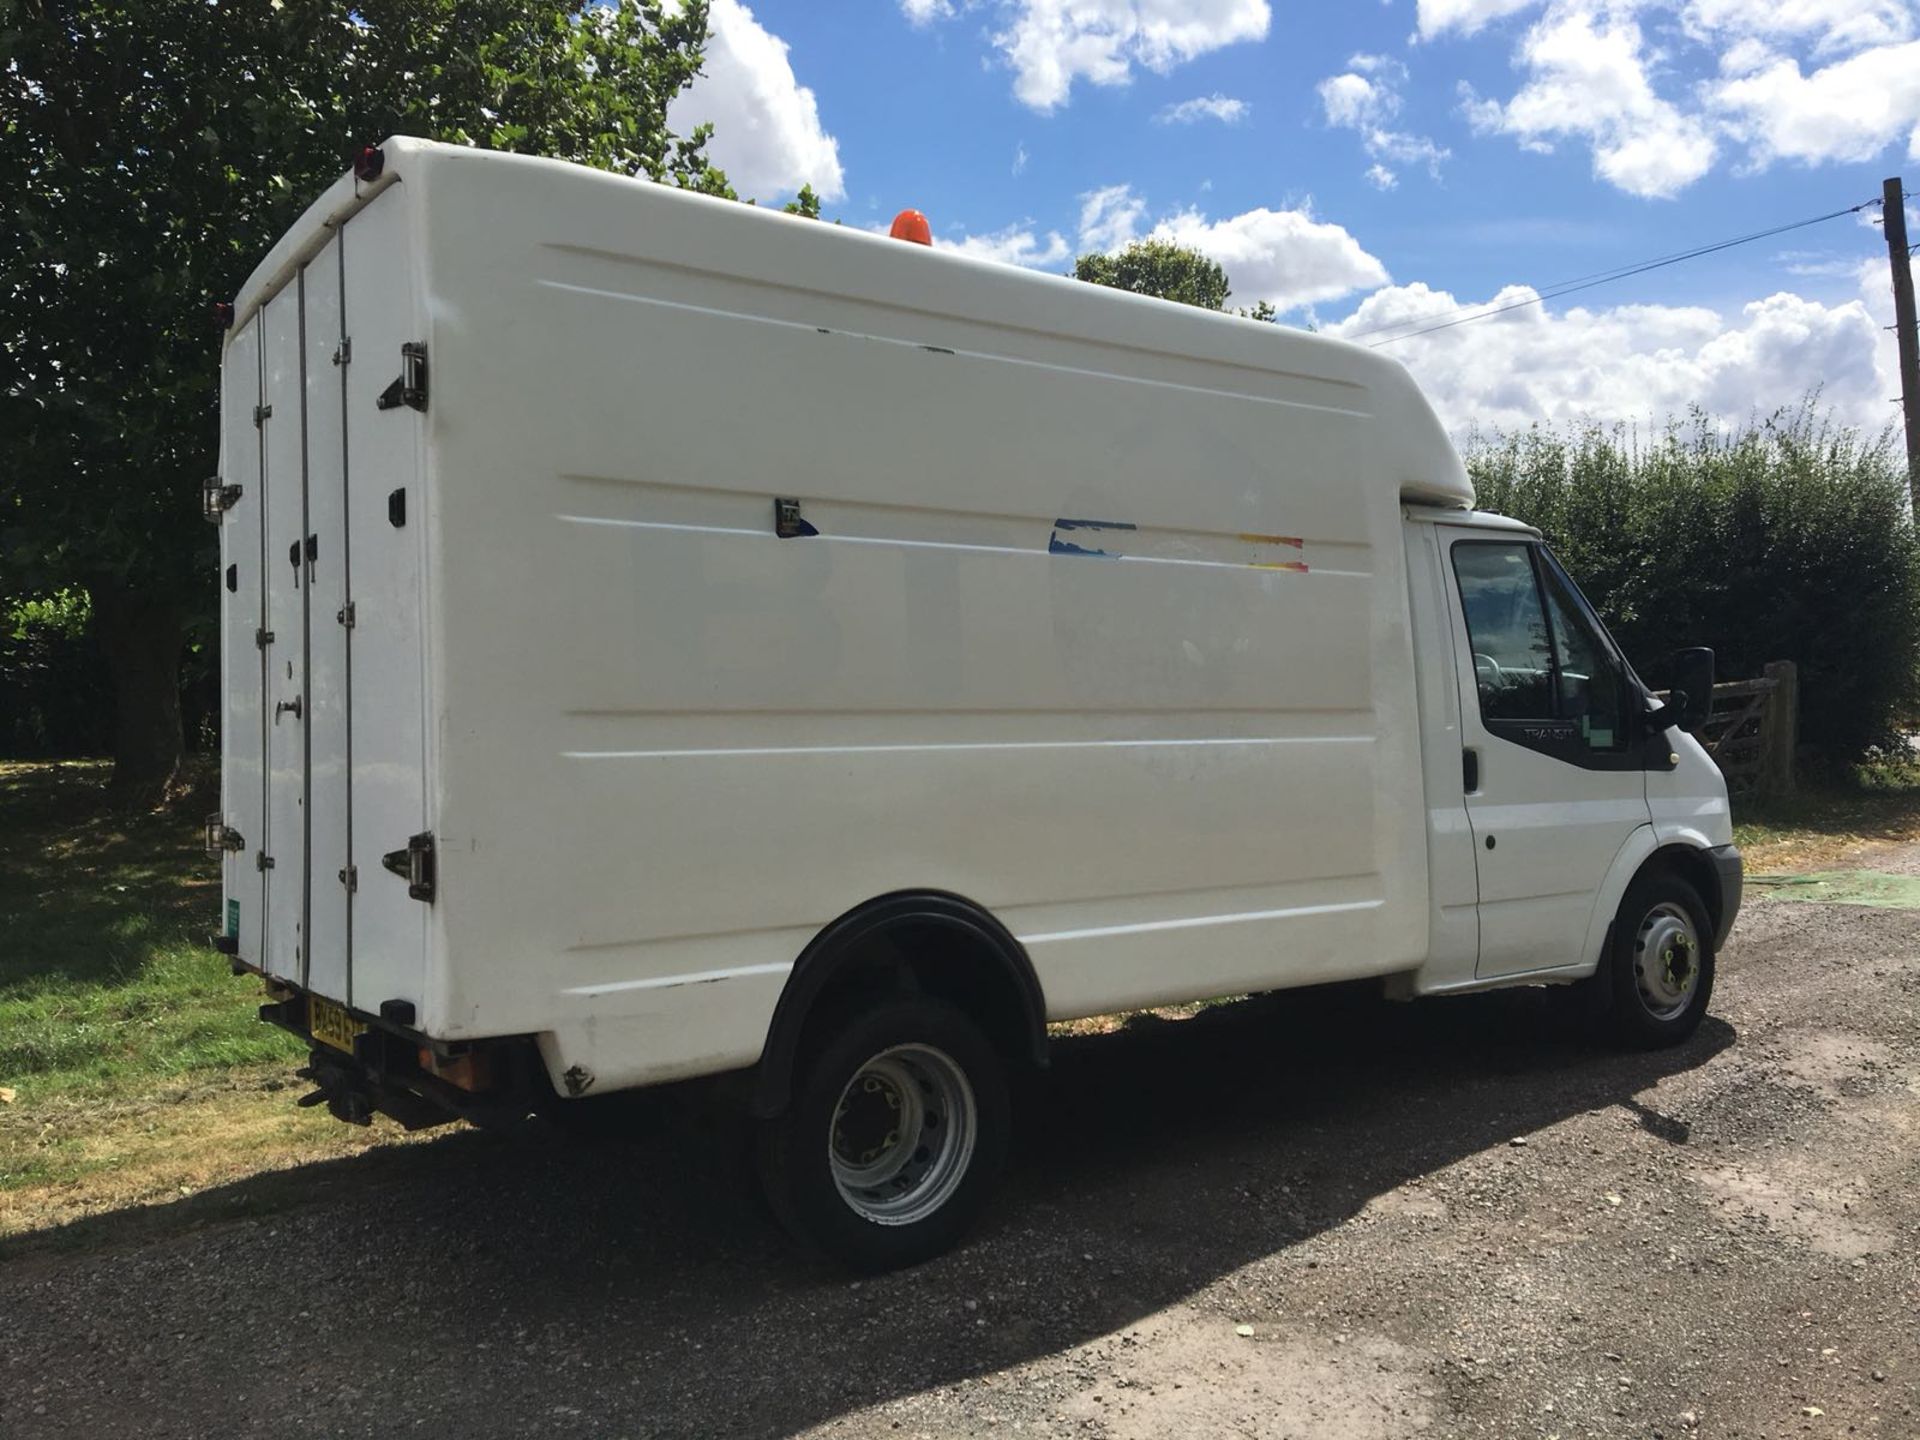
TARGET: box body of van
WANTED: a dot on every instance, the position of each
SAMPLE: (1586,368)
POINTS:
(658,632)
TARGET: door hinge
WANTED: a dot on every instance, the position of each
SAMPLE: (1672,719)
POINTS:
(350,877)
(262,639)
(410,387)
(344,615)
(788,523)
(414,865)
(216,498)
(221,837)
(343,352)
(261,414)
(262,860)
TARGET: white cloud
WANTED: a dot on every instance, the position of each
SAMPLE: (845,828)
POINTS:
(1589,81)
(1466,16)
(1016,245)
(1832,26)
(767,131)
(1847,111)
(1811,81)
(1633,362)
(925,12)
(1822,263)
(1285,257)
(1366,98)
(1110,218)
(1353,100)
(1052,43)
(1019,157)
(1223,108)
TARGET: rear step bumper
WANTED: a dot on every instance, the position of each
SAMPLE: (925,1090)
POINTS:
(384,1073)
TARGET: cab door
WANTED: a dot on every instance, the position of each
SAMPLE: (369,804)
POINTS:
(1555,763)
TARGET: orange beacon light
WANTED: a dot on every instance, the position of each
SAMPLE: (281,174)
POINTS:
(912,225)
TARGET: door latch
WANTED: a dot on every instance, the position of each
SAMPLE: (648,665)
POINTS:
(285,706)
(414,865)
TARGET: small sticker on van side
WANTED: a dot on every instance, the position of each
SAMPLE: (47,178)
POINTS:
(1057,546)
(233,919)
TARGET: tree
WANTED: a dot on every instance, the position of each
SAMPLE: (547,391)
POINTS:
(1159,267)
(152,154)
(806,204)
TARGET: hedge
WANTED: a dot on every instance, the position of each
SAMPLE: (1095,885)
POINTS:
(1789,538)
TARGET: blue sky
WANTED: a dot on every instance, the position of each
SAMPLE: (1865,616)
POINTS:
(1365,164)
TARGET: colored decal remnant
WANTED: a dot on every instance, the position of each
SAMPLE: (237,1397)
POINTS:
(1057,546)
(1292,542)
(1197,548)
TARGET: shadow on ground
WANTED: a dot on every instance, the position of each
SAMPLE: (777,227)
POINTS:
(635,1286)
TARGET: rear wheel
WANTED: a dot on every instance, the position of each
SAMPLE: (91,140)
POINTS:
(1659,966)
(895,1135)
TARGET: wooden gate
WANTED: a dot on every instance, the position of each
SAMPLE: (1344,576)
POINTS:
(1752,730)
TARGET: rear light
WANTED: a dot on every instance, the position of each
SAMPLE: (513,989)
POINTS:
(368,163)
(465,1072)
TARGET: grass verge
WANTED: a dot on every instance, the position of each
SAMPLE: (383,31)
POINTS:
(1820,824)
(132,1065)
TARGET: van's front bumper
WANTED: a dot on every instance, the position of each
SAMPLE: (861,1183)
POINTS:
(1732,874)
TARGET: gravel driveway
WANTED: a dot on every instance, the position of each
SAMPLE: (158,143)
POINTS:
(1303,1215)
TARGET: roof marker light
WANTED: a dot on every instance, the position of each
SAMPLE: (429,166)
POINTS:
(223,314)
(368,162)
(912,225)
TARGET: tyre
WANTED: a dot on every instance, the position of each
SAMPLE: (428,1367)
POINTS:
(895,1135)
(1658,972)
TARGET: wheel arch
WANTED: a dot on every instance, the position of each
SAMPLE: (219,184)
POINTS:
(1696,867)
(918,941)
(1641,853)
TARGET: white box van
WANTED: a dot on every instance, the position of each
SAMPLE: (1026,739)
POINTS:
(665,638)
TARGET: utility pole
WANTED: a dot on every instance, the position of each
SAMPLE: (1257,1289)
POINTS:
(1893,211)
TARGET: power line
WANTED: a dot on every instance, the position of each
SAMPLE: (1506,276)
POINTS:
(1603,277)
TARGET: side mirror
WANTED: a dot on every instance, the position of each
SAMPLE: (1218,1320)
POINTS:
(1692,693)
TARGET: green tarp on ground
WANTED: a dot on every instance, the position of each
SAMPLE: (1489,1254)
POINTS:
(1841,887)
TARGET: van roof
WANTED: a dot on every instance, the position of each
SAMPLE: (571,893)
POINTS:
(1413,446)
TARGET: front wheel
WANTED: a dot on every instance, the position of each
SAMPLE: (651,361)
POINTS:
(1659,966)
(896,1133)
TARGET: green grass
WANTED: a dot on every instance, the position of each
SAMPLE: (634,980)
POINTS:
(106,982)
(1822,820)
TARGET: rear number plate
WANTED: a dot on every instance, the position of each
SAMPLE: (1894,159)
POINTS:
(331,1024)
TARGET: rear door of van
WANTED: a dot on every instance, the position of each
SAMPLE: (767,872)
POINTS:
(323,649)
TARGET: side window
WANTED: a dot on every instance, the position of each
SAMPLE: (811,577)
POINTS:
(1512,656)
(1590,691)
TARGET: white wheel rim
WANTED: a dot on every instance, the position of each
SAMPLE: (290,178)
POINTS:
(902,1135)
(1666,961)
